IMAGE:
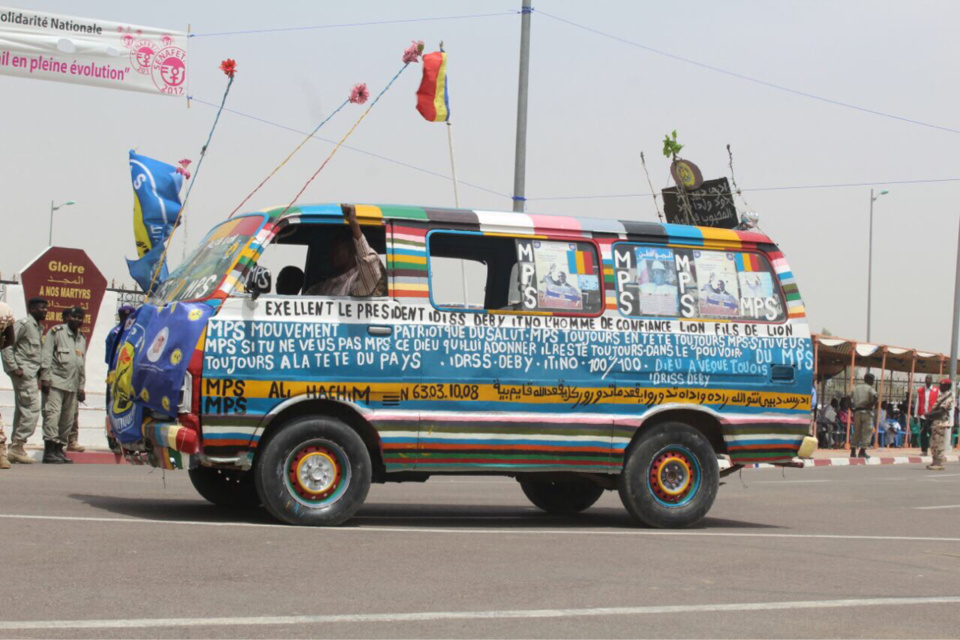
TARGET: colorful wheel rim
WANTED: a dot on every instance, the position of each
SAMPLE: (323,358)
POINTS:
(317,473)
(674,476)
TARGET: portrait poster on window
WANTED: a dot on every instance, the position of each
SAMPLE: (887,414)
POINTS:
(657,281)
(559,286)
(758,298)
(718,283)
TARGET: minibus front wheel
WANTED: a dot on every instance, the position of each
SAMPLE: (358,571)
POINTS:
(314,471)
(670,476)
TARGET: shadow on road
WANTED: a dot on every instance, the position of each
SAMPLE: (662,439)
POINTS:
(394,515)
(171,510)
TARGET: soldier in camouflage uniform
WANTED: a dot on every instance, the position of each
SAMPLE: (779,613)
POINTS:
(21,361)
(62,379)
(6,337)
(941,413)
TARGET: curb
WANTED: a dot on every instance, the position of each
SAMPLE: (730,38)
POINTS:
(872,461)
(85,457)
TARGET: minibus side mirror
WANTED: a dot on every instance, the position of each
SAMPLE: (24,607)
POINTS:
(259,280)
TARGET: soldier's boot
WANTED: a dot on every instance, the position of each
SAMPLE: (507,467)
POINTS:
(853,452)
(63,457)
(18,454)
(935,467)
(73,445)
(863,454)
(50,453)
(4,463)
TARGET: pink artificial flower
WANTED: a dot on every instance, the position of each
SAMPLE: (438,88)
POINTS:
(412,53)
(229,67)
(182,169)
(359,94)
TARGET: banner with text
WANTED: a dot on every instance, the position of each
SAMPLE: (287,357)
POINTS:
(48,46)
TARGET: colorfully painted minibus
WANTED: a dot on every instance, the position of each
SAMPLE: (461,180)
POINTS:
(575,355)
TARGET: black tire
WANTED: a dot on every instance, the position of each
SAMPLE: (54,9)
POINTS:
(225,488)
(314,471)
(687,476)
(563,497)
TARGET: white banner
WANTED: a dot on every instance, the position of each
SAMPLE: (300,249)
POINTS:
(48,46)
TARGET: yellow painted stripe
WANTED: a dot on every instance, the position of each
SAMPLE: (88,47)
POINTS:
(725,236)
(412,287)
(369,211)
(525,393)
(518,234)
(396,257)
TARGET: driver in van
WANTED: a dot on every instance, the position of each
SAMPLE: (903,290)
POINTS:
(357,267)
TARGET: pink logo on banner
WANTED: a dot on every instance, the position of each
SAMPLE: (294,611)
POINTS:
(142,54)
(170,70)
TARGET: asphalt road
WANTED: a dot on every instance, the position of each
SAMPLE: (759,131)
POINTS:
(826,552)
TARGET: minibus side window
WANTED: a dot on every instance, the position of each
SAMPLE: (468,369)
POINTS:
(695,283)
(298,257)
(497,273)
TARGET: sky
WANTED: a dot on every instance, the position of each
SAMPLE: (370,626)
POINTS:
(595,104)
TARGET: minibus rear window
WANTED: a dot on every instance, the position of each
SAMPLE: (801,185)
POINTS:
(695,283)
(497,273)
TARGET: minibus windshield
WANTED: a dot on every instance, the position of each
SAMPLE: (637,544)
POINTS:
(205,269)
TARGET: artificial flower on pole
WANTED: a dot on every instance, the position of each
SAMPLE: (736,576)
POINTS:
(412,53)
(182,169)
(229,69)
(359,94)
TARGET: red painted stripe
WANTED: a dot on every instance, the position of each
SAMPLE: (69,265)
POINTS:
(225,443)
(496,461)
(553,223)
(406,293)
(407,446)
(765,447)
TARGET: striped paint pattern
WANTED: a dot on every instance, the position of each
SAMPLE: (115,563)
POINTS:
(551,440)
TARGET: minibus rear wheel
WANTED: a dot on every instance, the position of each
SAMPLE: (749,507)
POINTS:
(670,476)
(562,497)
(225,487)
(314,471)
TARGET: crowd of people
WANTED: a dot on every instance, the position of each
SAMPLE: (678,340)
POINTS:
(48,373)
(927,421)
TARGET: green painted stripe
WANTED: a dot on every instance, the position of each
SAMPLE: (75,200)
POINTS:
(406,213)
(791,297)
(766,430)
(533,455)
(736,455)
(409,243)
(391,264)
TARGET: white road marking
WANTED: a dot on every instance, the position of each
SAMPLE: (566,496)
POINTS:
(533,531)
(946,506)
(438,616)
(790,481)
(942,475)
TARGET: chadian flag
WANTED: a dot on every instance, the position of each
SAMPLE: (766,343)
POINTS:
(433,101)
(748,262)
(581,263)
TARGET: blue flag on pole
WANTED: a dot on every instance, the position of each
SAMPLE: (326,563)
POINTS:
(124,415)
(143,269)
(156,205)
(160,366)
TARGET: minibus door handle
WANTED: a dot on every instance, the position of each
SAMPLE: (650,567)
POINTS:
(379,330)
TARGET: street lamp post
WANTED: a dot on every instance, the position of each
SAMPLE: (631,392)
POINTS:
(873,198)
(52,209)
